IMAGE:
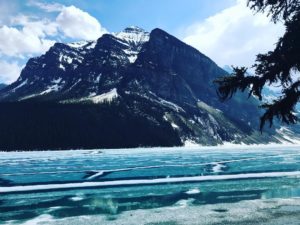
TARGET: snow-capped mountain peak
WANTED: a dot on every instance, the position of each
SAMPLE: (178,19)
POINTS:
(134,29)
(133,39)
(133,35)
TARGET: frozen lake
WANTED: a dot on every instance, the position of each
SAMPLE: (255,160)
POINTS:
(246,185)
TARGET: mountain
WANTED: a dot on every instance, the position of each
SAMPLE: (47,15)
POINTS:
(2,86)
(126,89)
(269,94)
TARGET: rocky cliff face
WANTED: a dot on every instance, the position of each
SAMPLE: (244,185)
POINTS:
(154,76)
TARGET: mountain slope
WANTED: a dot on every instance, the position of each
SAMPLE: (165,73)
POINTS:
(2,86)
(161,82)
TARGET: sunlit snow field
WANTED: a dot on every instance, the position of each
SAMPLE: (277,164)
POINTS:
(246,185)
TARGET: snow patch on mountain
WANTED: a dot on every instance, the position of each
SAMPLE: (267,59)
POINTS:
(286,136)
(96,99)
(171,105)
(52,88)
(175,126)
(65,58)
(56,81)
(78,44)
(172,123)
(91,45)
(61,66)
(131,55)
(20,85)
(106,97)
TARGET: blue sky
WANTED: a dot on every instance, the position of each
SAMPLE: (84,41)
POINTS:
(225,30)
(170,15)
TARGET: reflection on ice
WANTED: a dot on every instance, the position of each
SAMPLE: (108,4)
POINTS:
(218,167)
(193,191)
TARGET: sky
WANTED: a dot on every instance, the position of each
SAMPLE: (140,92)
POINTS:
(227,31)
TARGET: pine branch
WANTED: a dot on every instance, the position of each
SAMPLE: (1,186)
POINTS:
(277,9)
(284,108)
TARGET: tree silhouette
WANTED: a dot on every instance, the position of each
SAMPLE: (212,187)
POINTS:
(277,66)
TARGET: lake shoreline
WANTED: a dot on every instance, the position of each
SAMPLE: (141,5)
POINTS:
(187,147)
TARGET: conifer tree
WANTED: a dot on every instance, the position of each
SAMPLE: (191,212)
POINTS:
(275,67)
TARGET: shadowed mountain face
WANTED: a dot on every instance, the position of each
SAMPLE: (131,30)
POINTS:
(2,86)
(152,78)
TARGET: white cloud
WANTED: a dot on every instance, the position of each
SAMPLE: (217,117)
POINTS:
(9,72)
(32,36)
(17,43)
(36,26)
(72,21)
(75,23)
(52,7)
(235,35)
(7,8)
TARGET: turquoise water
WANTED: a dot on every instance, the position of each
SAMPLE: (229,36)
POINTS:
(151,186)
